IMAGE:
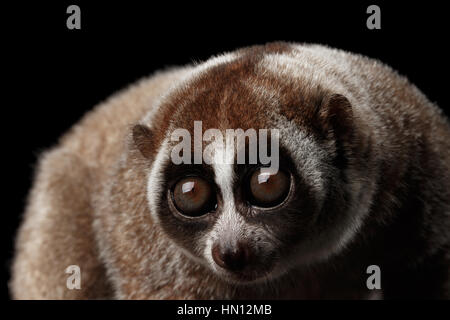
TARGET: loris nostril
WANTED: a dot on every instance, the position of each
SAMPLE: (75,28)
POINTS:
(232,258)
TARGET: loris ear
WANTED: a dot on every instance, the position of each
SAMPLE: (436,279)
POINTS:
(143,140)
(335,116)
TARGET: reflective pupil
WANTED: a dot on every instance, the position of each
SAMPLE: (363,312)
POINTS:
(193,196)
(263,178)
(268,190)
(187,187)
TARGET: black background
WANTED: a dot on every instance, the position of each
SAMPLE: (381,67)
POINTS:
(59,74)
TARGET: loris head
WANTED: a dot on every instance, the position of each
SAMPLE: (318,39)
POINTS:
(249,221)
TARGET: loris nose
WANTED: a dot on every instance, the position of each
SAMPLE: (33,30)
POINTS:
(233,258)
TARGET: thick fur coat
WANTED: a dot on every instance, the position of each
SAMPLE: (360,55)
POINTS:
(372,152)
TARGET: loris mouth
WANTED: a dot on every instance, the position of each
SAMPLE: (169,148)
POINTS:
(249,278)
(249,275)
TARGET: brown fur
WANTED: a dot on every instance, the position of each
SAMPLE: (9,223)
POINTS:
(88,205)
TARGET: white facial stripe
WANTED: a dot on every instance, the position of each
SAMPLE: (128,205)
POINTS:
(230,223)
(224,178)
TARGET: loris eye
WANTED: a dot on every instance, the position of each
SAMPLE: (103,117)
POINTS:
(266,190)
(193,196)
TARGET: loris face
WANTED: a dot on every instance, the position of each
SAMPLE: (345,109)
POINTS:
(242,223)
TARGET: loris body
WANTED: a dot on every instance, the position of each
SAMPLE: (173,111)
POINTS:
(364,162)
